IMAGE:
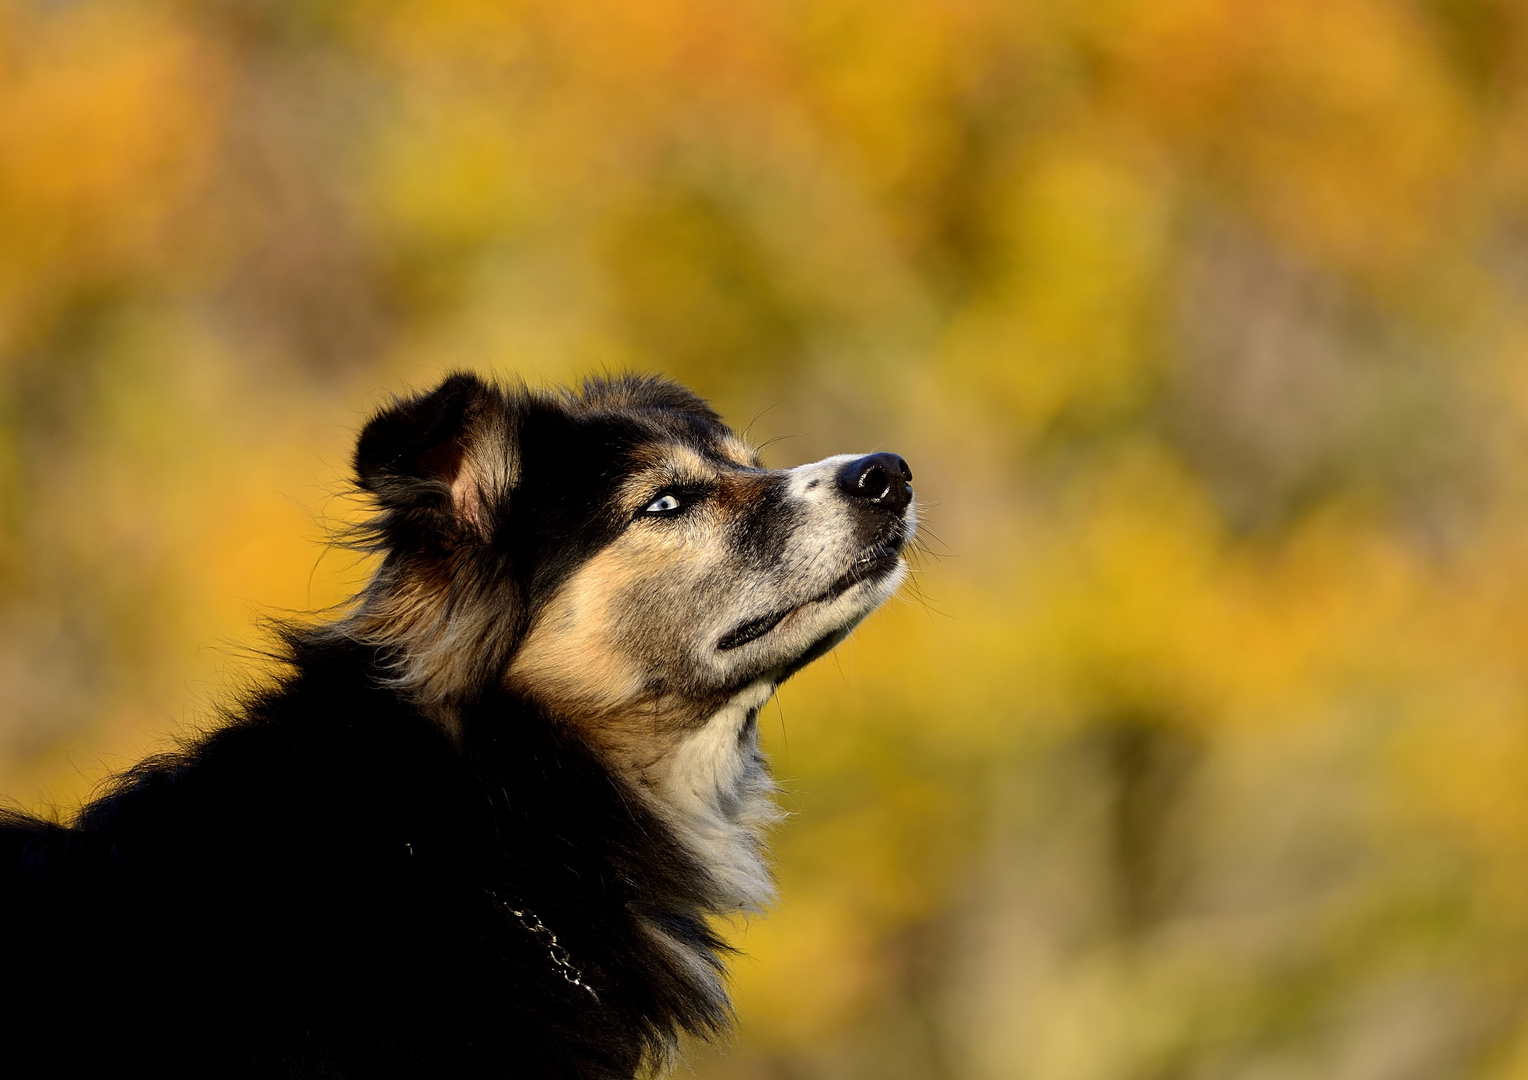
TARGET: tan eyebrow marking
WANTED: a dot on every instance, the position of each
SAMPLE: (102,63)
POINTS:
(667,463)
(739,452)
(681,459)
(677,463)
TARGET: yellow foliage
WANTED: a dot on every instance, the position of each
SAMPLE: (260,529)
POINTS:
(1195,746)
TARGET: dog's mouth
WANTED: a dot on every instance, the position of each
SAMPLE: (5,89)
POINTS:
(875,562)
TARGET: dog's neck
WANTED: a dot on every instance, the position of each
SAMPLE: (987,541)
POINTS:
(713,788)
(697,767)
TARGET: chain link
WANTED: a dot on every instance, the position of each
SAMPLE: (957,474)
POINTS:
(561,959)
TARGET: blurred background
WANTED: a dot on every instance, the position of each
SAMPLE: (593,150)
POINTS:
(1199,746)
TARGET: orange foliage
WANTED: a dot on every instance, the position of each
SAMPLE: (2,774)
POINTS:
(1195,751)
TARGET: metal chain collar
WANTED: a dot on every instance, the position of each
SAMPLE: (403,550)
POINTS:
(561,959)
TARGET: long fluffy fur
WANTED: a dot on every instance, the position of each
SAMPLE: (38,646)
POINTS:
(417,855)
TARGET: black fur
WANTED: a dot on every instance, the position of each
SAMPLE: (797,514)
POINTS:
(323,889)
(327,885)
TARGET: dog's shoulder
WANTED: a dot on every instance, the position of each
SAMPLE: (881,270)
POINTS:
(330,852)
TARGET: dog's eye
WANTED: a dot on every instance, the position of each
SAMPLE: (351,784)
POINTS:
(666,503)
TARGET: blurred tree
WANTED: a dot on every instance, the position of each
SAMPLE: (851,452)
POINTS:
(1199,751)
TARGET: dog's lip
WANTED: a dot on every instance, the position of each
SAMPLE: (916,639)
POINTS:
(875,561)
(751,630)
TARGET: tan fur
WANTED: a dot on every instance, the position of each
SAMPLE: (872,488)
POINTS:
(739,452)
(569,660)
(695,760)
(628,649)
(422,612)
(488,469)
(439,641)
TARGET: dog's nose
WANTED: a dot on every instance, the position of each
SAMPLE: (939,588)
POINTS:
(881,478)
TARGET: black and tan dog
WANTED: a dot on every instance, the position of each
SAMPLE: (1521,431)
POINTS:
(479,828)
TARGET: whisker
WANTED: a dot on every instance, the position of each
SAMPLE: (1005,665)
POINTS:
(767,443)
(785,743)
(756,418)
(924,534)
(929,604)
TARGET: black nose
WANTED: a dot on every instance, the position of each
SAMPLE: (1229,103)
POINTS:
(881,478)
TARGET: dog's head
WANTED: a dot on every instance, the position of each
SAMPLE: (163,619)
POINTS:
(619,559)
(614,549)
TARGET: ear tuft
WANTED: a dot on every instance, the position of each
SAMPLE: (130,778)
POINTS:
(423,459)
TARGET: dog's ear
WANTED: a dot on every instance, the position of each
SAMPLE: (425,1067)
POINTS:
(439,463)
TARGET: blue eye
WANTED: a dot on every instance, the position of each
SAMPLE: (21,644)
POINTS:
(663,504)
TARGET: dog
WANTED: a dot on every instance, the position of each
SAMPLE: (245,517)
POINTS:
(484,822)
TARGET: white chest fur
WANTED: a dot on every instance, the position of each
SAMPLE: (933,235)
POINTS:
(715,790)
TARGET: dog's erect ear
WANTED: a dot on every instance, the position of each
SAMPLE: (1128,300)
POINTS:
(437,463)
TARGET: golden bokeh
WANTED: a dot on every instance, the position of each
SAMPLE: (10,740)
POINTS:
(1197,748)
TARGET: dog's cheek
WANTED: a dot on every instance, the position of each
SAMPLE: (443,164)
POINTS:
(569,661)
(613,633)
(670,618)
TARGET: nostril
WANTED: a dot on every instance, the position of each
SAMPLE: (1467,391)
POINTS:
(874,483)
